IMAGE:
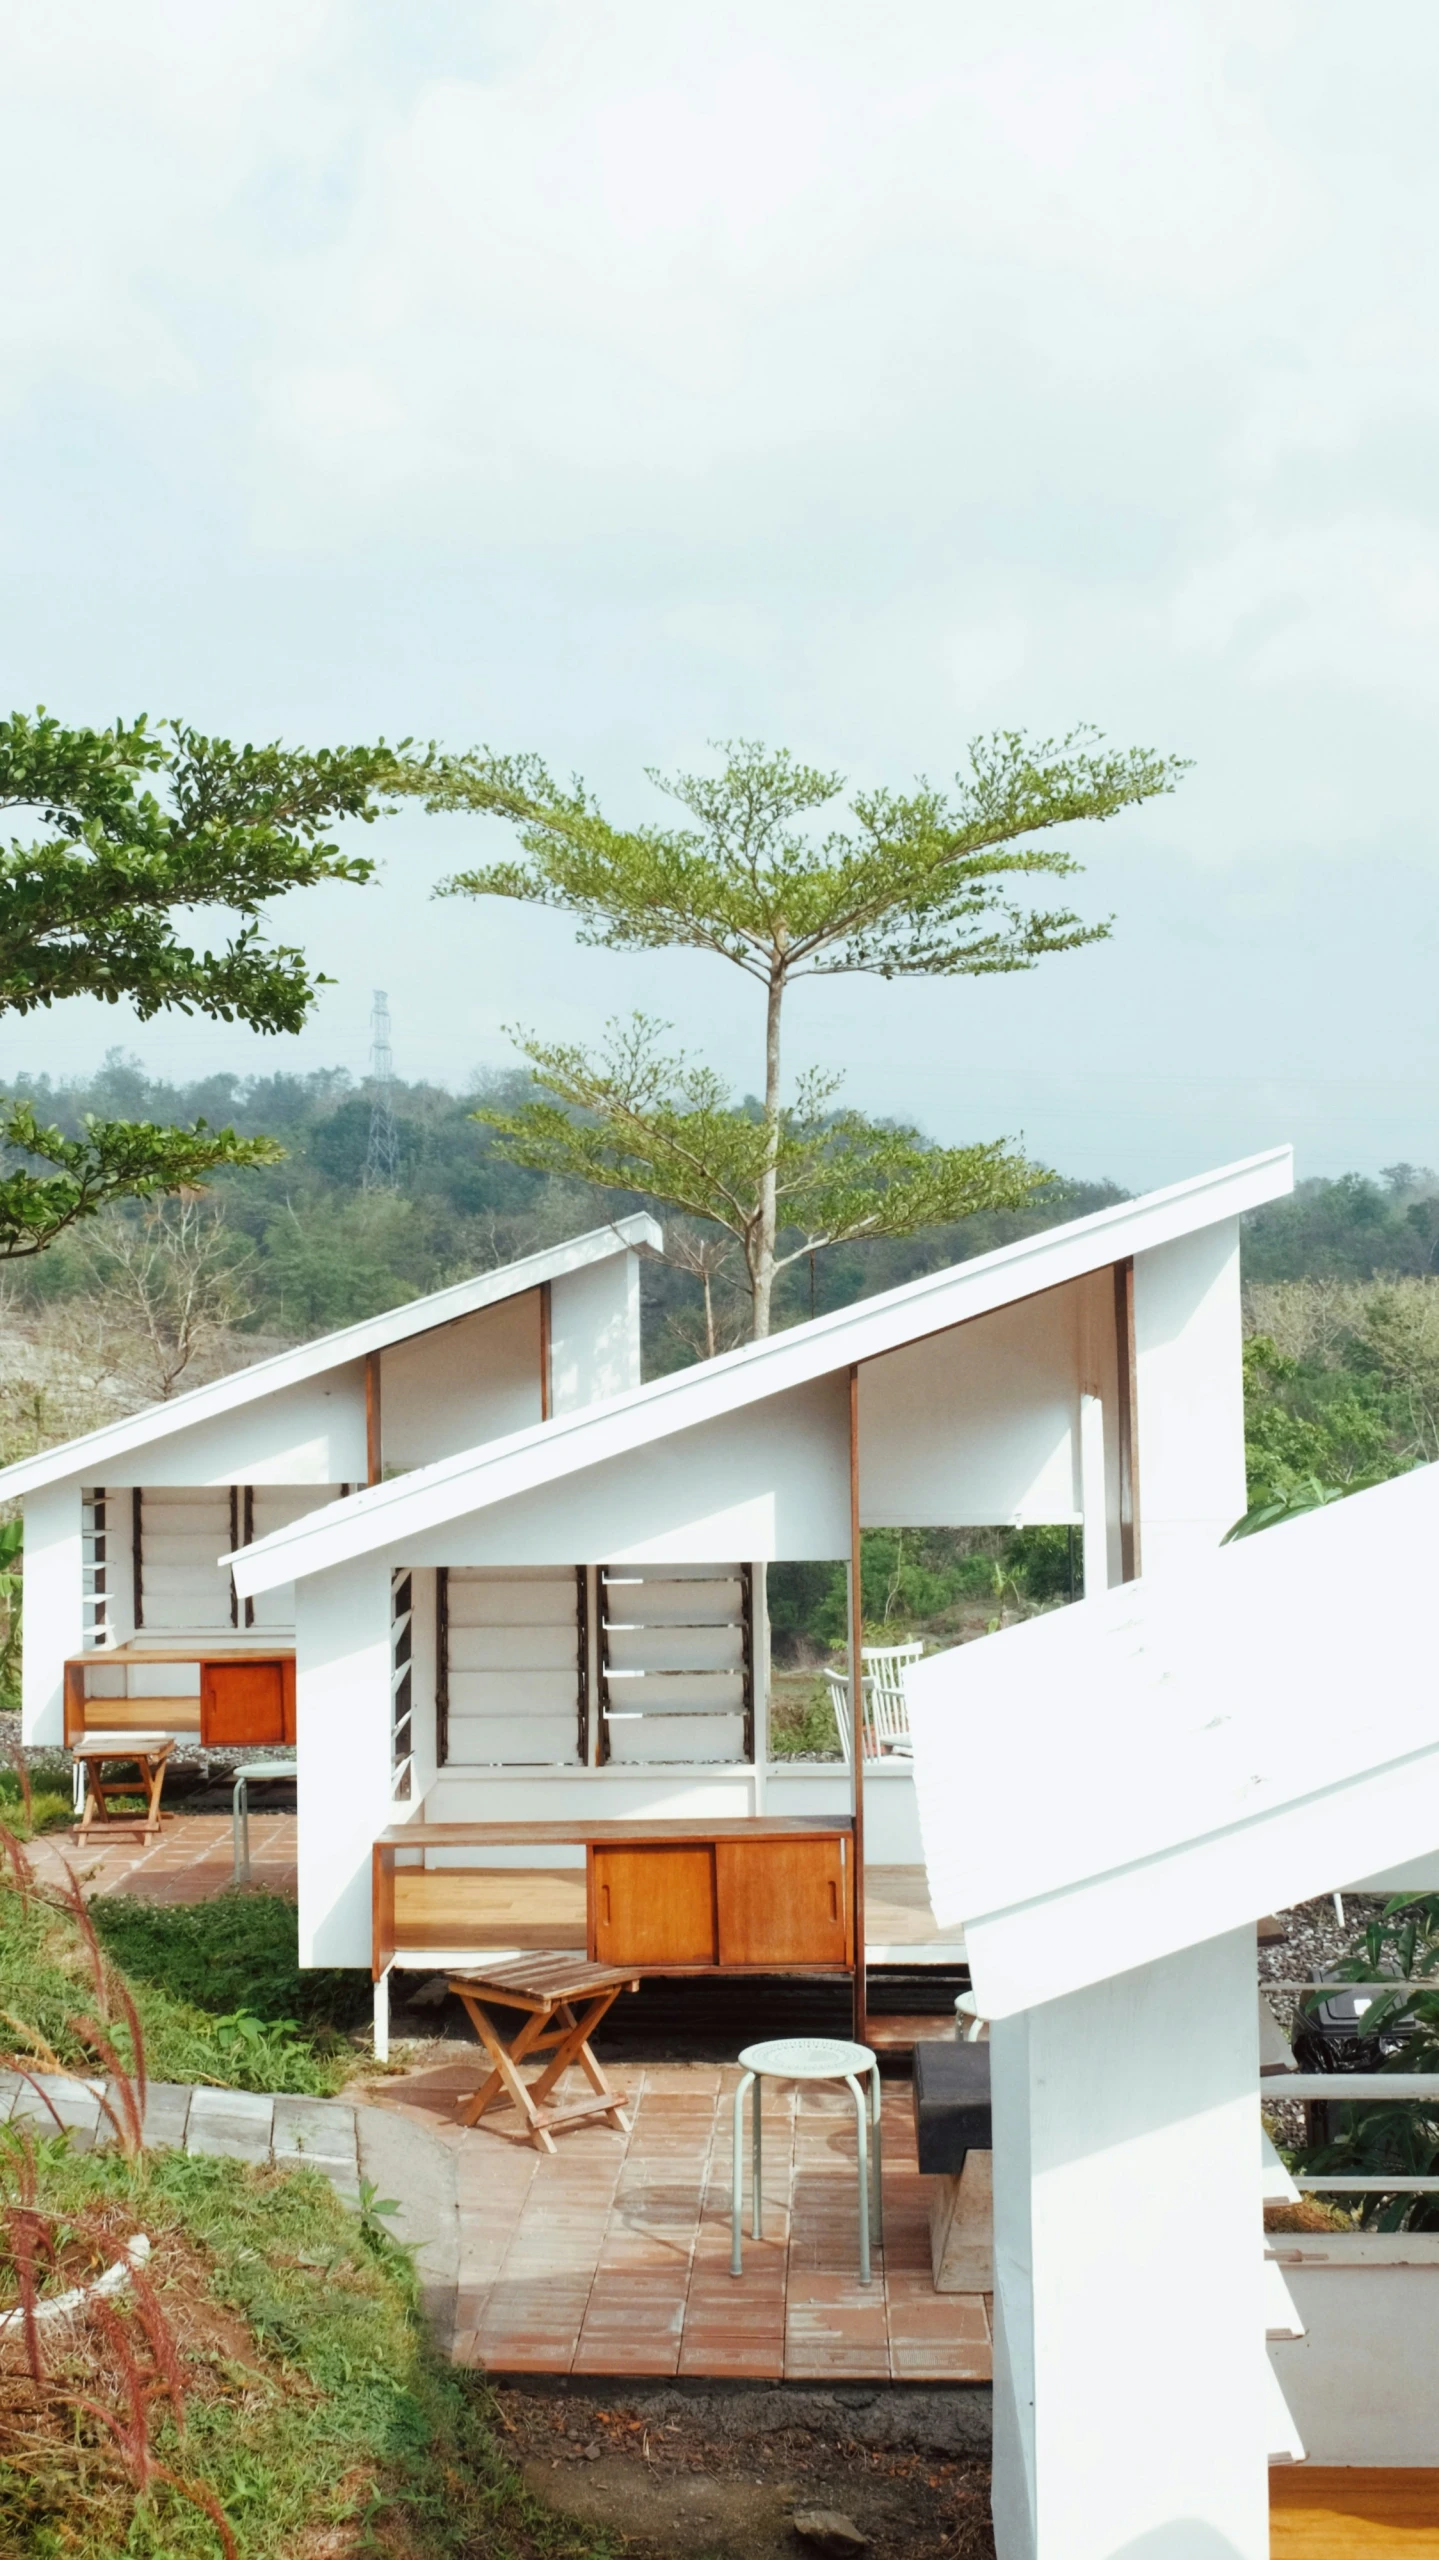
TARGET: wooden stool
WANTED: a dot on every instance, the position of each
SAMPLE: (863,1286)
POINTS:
(545,1987)
(150,1751)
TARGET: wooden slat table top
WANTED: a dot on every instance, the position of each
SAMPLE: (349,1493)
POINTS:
(479,1835)
(202,1649)
(545,1979)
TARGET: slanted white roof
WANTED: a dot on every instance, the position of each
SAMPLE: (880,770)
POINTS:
(88,1456)
(428,1497)
(1153,1767)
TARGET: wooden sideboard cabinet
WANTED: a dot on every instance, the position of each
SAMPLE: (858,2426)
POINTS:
(740,1894)
(763,1905)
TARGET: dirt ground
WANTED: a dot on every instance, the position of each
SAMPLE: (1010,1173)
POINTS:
(674,2480)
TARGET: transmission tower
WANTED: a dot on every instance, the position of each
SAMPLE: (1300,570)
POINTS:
(382,1162)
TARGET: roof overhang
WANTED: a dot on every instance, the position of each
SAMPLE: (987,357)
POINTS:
(87,1457)
(411,1505)
(1175,1757)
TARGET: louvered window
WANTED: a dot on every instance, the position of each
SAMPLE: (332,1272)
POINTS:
(95,1565)
(513,1676)
(676,1663)
(181,1530)
(402,1686)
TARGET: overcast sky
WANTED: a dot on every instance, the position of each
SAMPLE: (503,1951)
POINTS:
(603,379)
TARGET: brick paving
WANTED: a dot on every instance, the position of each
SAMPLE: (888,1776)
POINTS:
(612,2257)
(192,1858)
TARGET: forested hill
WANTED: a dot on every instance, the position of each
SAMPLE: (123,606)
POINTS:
(321,1250)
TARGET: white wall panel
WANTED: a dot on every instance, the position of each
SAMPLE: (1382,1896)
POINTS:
(1188,1350)
(274,1507)
(342,1654)
(313,1433)
(594,1333)
(977,1425)
(445,1391)
(772,1481)
(54,1611)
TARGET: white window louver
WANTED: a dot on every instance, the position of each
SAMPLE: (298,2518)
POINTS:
(513,1646)
(676,1663)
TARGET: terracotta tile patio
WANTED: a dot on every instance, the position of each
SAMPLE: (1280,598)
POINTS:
(193,1858)
(612,2256)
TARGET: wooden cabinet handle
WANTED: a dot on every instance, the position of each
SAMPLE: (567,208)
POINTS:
(833,1900)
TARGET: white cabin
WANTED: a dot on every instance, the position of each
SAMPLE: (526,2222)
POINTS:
(126,1527)
(1158,1768)
(528,1654)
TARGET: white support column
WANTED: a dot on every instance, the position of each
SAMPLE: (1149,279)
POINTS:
(1189,1396)
(54,1607)
(1092,1501)
(1130,2414)
(382,2017)
(342,1733)
(759,1666)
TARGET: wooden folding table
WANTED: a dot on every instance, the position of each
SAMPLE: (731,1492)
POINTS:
(149,1752)
(550,1990)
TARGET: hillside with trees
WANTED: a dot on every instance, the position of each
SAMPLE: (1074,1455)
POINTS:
(1341,1280)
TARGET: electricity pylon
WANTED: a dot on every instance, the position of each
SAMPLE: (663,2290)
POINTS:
(382,1161)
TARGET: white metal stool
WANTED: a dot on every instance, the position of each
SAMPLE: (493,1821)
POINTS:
(811,2058)
(240,1807)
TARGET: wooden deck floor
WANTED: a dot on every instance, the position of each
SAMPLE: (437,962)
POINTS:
(1353,2515)
(612,2257)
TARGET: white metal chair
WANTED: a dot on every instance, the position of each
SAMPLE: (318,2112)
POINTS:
(886,1709)
(882,1702)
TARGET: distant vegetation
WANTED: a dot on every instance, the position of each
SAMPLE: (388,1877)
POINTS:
(1341,1285)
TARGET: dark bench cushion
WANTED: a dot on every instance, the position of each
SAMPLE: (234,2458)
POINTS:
(951,2105)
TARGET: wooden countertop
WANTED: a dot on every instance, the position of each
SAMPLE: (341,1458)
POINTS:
(185,1649)
(754,1826)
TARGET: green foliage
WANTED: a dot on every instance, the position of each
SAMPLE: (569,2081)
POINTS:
(89,907)
(917,1582)
(1366,2139)
(917,886)
(1349,1229)
(235,1952)
(334,2426)
(193,2027)
(110,1160)
(665,1128)
(913,888)
(50,1808)
(140,826)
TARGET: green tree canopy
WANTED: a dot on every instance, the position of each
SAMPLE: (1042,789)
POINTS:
(634,1119)
(924,883)
(133,827)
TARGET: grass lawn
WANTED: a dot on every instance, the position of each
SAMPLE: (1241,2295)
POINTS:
(217,1986)
(314,2411)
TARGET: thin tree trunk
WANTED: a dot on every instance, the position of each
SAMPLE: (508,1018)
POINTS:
(762,1262)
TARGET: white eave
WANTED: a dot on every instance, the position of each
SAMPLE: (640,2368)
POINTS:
(1180,1754)
(88,1456)
(411,1505)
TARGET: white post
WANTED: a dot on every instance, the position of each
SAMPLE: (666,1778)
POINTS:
(1130,2412)
(342,1735)
(382,2017)
(54,1607)
(1092,1496)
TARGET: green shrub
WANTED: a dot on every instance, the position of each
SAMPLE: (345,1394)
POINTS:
(328,2424)
(231,2046)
